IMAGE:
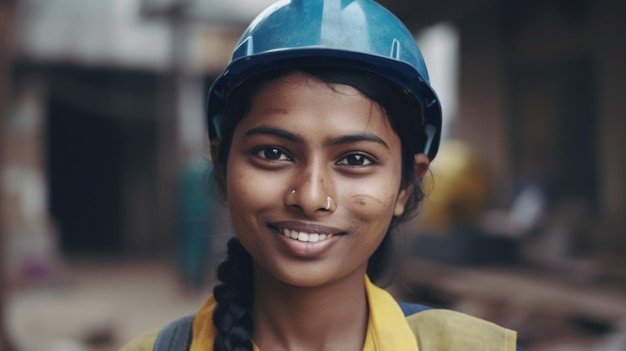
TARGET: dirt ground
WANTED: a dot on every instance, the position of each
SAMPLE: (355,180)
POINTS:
(98,305)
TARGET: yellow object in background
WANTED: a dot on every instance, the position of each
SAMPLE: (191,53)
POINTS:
(457,188)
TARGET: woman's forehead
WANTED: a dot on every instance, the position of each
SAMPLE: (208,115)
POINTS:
(300,102)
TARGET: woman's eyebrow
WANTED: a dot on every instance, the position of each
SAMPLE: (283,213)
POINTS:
(341,140)
(355,138)
(273,131)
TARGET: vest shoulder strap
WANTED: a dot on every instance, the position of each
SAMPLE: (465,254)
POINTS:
(175,336)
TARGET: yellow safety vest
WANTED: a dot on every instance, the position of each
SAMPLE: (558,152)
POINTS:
(388,329)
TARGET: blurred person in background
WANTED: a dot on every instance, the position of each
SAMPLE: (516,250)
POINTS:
(321,129)
(197,207)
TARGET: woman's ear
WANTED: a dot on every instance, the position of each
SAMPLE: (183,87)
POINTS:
(420,166)
(220,172)
(214,148)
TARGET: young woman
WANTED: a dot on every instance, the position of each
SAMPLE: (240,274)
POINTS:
(321,128)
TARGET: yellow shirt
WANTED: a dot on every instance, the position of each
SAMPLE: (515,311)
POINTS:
(388,329)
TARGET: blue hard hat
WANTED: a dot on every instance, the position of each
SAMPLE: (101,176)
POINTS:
(352,33)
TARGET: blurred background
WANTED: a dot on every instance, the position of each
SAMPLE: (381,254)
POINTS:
(108,229)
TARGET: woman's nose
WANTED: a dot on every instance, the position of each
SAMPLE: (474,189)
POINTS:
(311,192)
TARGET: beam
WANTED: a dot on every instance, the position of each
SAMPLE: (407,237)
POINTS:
(7,13)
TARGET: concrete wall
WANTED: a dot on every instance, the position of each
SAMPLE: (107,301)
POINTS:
(482,119)
(608,30)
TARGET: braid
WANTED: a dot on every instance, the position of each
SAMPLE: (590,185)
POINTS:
(233,294)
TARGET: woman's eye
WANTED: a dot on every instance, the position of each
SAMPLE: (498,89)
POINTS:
(355,160)
(272,154)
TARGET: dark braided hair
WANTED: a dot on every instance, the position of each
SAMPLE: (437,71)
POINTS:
(232,315)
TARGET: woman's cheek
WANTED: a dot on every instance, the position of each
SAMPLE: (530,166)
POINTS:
(370,209)
(241,193)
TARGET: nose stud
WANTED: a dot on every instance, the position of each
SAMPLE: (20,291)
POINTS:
(328,200)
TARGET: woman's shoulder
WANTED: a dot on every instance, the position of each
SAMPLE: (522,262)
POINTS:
(142,343)
(458,331)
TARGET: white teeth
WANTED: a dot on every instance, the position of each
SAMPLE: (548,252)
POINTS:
(306,237)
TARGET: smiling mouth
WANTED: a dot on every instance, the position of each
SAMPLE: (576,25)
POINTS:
(304,236)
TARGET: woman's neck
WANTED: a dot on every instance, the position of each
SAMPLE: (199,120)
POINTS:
(331,317)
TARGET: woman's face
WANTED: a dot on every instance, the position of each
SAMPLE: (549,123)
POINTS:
(313,180)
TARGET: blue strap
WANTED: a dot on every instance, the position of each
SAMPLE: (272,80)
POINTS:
(412,308)
(176,336)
